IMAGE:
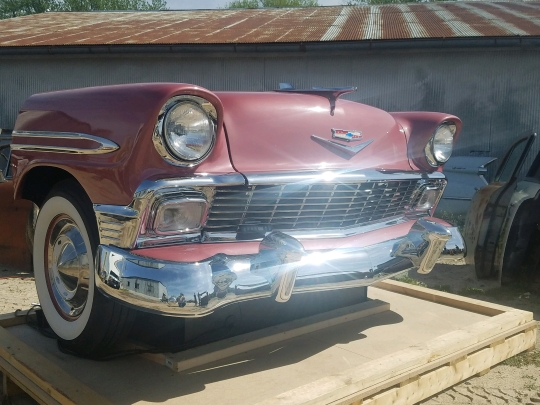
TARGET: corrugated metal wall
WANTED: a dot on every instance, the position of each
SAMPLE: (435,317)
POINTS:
(495,92)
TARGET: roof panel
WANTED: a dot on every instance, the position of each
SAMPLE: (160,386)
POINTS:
(313,24)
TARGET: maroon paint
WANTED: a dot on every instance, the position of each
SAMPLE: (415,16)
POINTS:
(124,114)
(272,132)
(419,127)
(266,132)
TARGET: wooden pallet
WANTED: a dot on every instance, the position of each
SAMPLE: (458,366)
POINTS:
(405,376)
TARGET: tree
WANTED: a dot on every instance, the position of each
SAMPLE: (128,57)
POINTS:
(16,8)
(371,2)
(272,3)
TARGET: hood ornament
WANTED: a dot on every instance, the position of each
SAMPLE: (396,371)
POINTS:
(330,93)
(344,151)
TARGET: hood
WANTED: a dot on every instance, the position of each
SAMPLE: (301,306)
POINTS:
(270,132)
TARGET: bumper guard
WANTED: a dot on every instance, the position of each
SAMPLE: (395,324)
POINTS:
(281,268)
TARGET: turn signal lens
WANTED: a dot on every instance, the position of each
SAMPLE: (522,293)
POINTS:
(180,216)
(429,198)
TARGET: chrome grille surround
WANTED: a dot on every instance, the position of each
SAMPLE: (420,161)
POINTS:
(305,205)
(318,206)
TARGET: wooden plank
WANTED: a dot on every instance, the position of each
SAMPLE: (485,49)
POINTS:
(451,300)
(26,384)
(446,376)
(239,344)
(7,320)
(47,376)
(385,372)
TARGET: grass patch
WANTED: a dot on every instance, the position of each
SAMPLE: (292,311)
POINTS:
(469,291)
(524,359)
(443,288)
(410,280)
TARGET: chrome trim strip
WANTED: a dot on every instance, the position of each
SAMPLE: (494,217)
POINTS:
(281,267)
(105,146)
(341,176)
(200,180)
(212,237)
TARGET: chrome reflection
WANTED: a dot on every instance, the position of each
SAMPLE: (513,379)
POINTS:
(104,145)
(67,267)
(455,248)
(282,267)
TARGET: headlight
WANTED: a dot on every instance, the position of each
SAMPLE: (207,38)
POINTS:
(188,131)
(185,132)
(439,148)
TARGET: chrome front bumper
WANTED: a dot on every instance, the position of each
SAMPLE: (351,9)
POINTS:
(281,268)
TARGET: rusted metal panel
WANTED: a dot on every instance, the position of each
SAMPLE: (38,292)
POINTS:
(314,24)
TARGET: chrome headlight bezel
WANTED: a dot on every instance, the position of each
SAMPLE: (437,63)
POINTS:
(437,153)
(159,137)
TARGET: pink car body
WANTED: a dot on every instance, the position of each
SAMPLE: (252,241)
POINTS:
(290,204)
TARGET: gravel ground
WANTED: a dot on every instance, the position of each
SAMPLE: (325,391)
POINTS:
(515,381)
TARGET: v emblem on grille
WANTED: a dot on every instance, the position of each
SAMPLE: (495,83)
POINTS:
(346,152)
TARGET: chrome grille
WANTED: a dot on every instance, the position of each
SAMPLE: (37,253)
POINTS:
(311,206)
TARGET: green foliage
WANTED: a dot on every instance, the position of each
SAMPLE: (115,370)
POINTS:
(372,2)
(16,8)
(410,280)
(244,4)
(272,3)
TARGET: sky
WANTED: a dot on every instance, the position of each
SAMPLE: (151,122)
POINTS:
(206,4)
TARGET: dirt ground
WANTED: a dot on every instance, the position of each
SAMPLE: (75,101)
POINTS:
(515,381)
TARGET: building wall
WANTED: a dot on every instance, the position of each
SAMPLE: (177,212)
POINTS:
(495,92)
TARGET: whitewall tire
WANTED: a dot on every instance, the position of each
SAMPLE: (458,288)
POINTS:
(65,241)
(60,236)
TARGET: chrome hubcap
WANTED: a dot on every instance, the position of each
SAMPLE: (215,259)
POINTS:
(67,267)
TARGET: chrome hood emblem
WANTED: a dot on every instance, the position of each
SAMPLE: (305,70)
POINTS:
(344,151)
(349,136)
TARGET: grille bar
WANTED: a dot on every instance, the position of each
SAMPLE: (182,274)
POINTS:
(312,206)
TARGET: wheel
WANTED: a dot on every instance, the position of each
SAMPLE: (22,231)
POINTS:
(65,242)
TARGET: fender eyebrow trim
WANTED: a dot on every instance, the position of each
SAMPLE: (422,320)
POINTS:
(105,146)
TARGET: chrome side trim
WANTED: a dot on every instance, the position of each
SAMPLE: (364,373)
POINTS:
(105,146)
(281,267)
(341,176)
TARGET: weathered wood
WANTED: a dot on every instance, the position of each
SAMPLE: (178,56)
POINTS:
(7,320)
(239,344)
(451,300)
(387,373)
(406,376)
(24,361)
(9,388)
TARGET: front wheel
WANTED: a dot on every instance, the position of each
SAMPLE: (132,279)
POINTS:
(65,242)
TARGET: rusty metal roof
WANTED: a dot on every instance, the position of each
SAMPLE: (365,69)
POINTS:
(293,25)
